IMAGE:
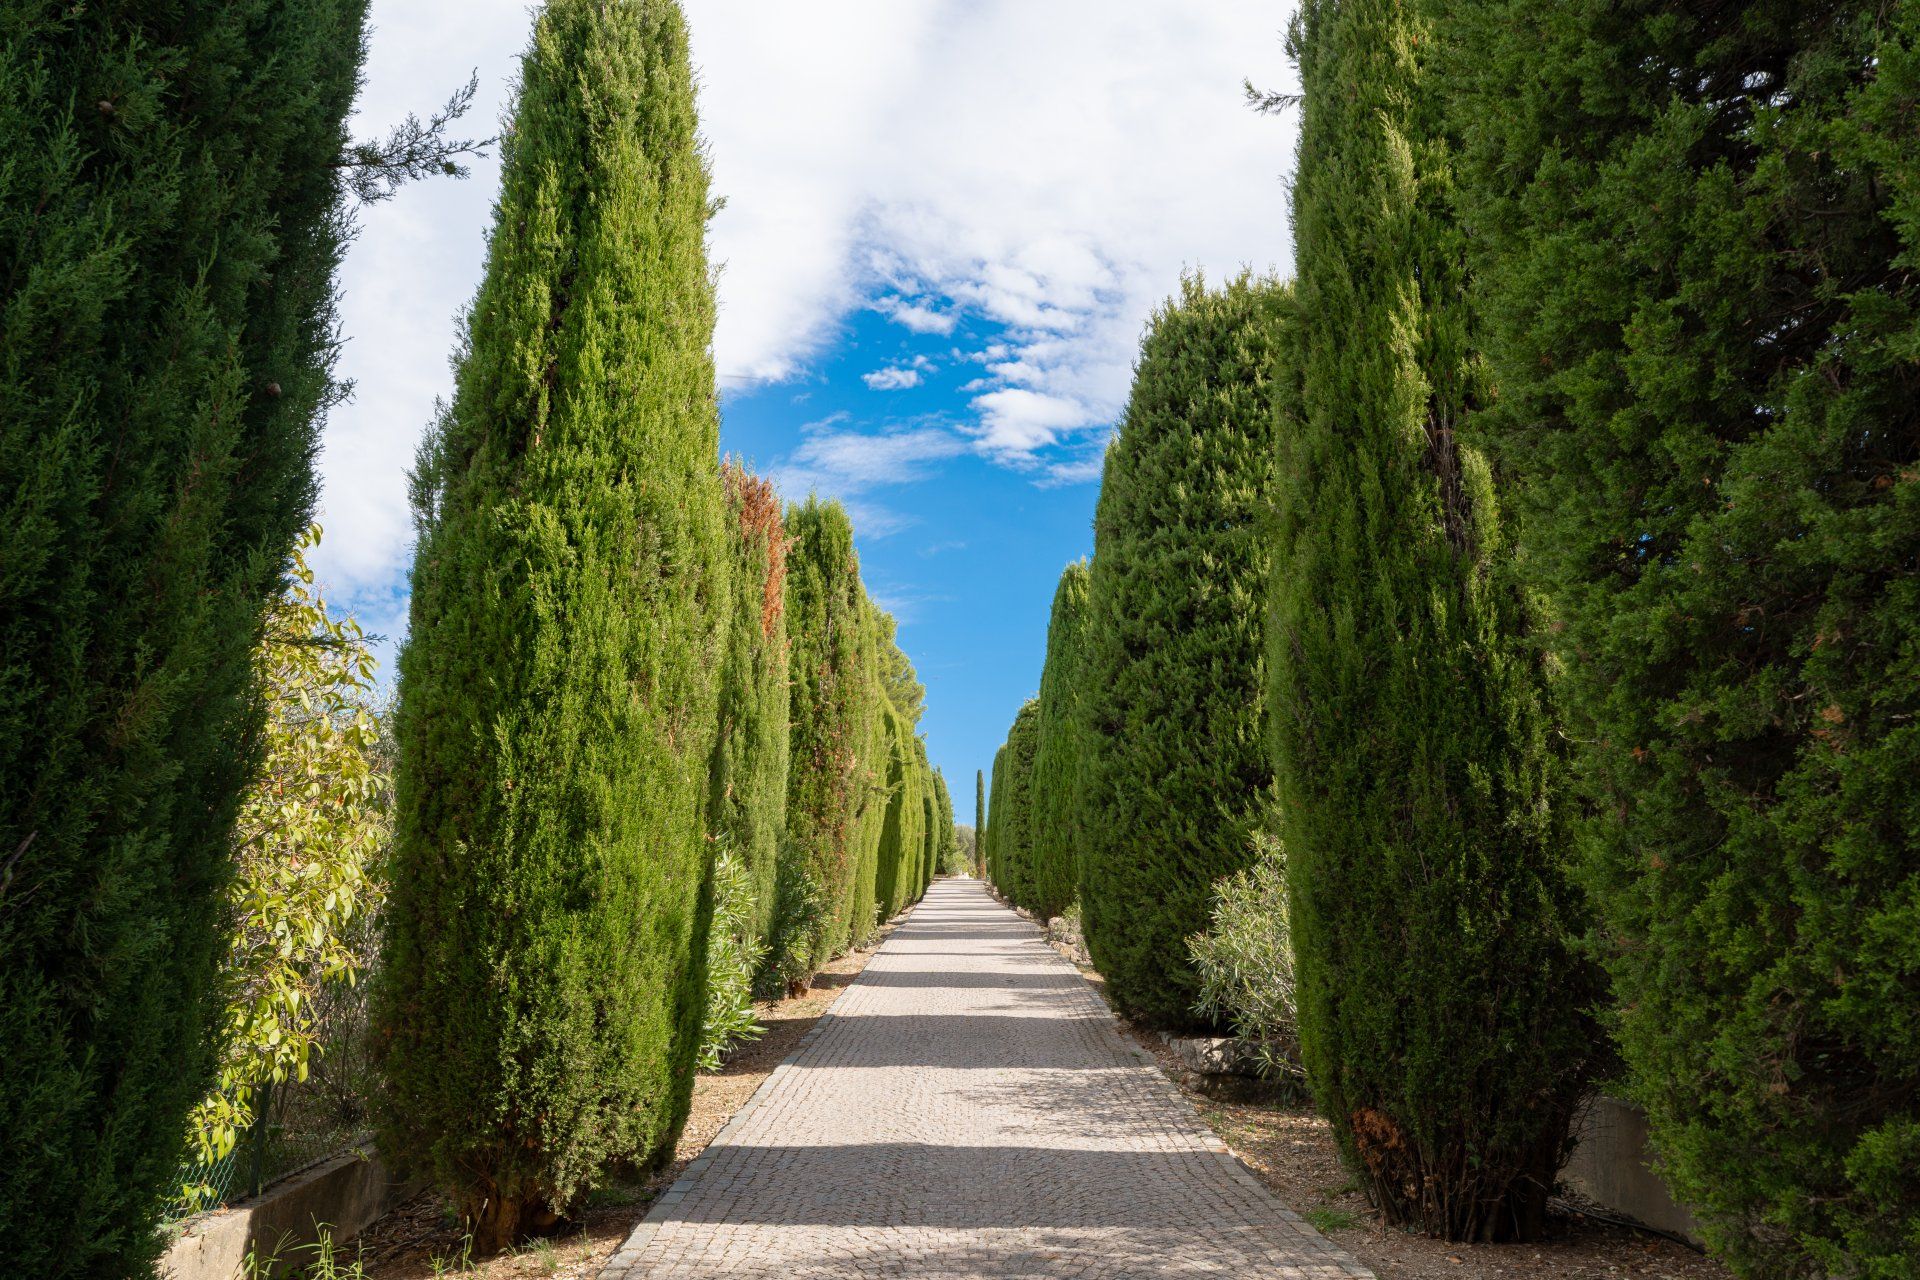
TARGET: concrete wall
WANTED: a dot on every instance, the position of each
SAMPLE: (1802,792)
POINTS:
(1610,1166)
(345,1194)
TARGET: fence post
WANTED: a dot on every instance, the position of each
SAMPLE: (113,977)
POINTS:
(259,1138)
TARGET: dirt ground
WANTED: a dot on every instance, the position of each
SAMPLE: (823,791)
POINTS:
(423,1238)
(1291,1149)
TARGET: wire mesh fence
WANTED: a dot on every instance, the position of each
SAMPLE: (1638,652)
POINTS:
(296,1123)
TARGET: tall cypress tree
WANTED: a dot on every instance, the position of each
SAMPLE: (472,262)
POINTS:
(747,782)
(1013,836)
(980,822)
(1055,836)
(543,975)
(825,613)
(946,837)
(1701,226)
(170,220)
(1441,1014)
(990,840)
(1174,762)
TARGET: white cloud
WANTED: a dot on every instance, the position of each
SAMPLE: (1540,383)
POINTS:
(891,378)
(916,316)
(1049,167)
(1016,422)
(849,462)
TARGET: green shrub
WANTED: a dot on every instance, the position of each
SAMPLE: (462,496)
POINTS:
(947,858)
(311,828)
(793,935)
(543,979)
(171,215)
(1055,835)
(734,955)
(1700,229)
(980,823)
(1245,960)
(747,782)
(1174,769)
(1442,1016)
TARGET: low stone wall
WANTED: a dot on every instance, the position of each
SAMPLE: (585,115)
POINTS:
(1610,1166)
(344,1194)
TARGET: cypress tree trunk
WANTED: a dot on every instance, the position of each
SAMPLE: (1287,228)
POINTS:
(1174,769)
(1700,227)
(1056,760)
(825,613)
(747,783)
(544,968)
(170,220)
(1441,1014)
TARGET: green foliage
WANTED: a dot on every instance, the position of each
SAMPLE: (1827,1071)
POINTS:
(990,838)
(311,826)
(1700,229)
(903,823)
(830,707)
(747,781)
(979,832)
(1442,1017)
(1174,770)
(1245,960)
(171,215)
(799,912)
(1013,823)
(949,859)
(734,955)
(544,976)
(1055,828)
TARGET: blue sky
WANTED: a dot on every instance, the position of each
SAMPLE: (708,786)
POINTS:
(946,224)
(963,551)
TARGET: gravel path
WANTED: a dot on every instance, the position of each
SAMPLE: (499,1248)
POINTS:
(969,1109)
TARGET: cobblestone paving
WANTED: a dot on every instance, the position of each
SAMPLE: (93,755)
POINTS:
(968,1108)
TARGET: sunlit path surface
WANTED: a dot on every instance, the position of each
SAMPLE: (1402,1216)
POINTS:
(969,1109)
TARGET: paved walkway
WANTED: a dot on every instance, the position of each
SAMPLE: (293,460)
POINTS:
(969,1109)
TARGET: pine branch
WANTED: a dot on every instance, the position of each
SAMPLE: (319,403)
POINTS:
(1266,101)
(414,149)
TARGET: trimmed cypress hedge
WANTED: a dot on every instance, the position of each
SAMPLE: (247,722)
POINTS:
(872,764)
(1174,765)
(1013,825)
(1442,1016)
(826,621)
(903,823)
(543,978)
(171,216)
(1700,227)
(747,782)
(946,845)
(1055,835)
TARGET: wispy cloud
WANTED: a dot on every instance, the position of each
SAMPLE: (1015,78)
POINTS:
(891,378)
(916,317)
(897,377)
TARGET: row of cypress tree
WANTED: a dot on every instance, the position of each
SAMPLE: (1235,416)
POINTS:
(172,208)
(596,694)
(1590,428)
(621,658)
